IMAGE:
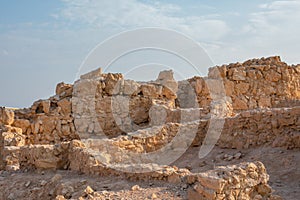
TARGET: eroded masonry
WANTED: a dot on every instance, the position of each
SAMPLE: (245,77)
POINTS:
(104,124)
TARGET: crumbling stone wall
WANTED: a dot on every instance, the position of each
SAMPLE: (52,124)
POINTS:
(9,135)
(265,99)
(277,127)
(242,181)
(108,105)
(48,121)
(256,83)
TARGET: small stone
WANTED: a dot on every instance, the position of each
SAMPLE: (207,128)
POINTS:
(193,194)
(202,164)
(43,183)
(189,167)
(174,178)
(11,196)
(238,155)
(153,196)
(60,197)
(56,178)
(88,190)
(6,116)
(82,182)
(229,158)
(135,188)
(27,184)
(258,197)
(184,186)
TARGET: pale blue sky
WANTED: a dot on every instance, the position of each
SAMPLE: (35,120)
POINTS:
(44,42)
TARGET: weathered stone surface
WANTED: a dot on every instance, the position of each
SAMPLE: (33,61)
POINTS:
(65,105)
(240,103)
(24,124)
(238,74)
(37,156)
(6,116)
(64,90)
(259,103)
(230,182)
(166,79)
(256,83)
(93,74)
(12,137)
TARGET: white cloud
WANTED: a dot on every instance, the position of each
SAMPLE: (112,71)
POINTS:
(276,17)
(278,5)
(133,14)
(273,29)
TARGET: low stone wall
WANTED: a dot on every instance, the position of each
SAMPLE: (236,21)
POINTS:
(36,157)
(242,181)
(277,127)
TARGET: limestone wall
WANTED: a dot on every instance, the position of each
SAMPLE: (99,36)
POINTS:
(243,181)
(256,83)
(9,135)
(106,105)
(278,127)
(262,104)
(48,121)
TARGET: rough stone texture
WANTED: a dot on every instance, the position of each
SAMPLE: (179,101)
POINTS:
(166,78)
(6,116)
(9,135)
(276,127)
(64,90)
(256,83)
(243,181)
(258,101)
(108,105)
(36,157)
(48,121)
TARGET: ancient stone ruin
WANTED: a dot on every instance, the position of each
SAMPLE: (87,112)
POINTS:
(106,126)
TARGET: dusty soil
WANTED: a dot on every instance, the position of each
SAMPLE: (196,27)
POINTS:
(33,185)
(282,165)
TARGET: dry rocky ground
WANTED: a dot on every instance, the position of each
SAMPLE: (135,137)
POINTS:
(73,145)
(282,166)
